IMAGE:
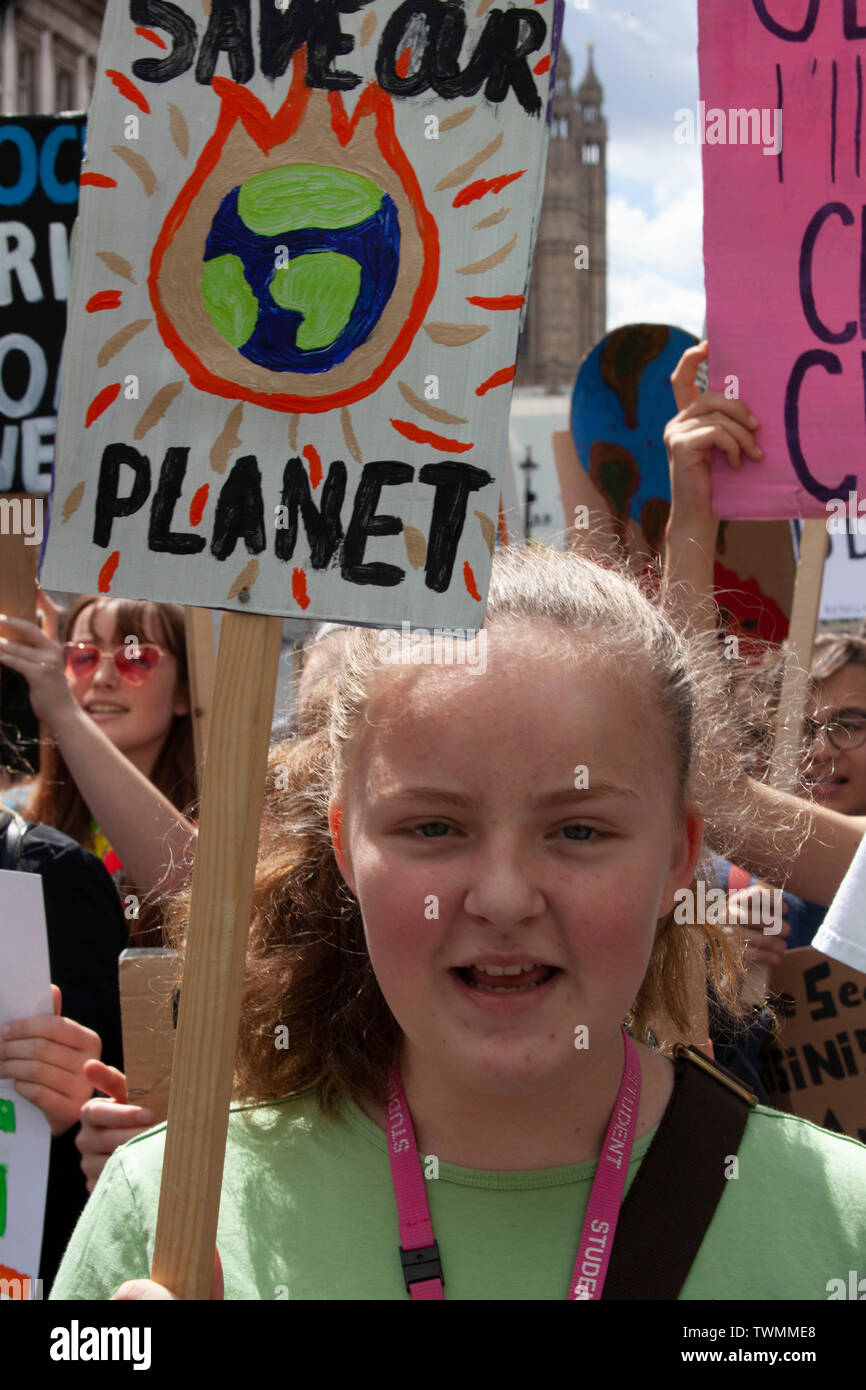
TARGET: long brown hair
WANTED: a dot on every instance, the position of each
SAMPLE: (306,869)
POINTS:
(308,967)
(54,796)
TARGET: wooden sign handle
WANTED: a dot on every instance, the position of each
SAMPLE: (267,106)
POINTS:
(792,700)
(801,637)
(18,562)
(198,623)
(222,887)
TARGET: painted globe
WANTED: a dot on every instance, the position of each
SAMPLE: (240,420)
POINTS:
(299,265)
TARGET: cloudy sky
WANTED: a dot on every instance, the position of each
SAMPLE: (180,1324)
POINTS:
(646,60)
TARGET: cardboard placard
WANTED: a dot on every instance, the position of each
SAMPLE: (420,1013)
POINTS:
(781,124)
(621,402)
(301,260)
(148,1006)
(817,1068)
(37,209)
(843,595)
(615,466)
(25,1135)
(787,748)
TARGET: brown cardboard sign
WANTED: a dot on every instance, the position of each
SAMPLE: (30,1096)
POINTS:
(148,993)
(817,1067)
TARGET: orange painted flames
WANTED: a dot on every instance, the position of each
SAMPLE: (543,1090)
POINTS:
(310,127)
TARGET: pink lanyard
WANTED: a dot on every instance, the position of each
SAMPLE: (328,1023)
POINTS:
(419,1253)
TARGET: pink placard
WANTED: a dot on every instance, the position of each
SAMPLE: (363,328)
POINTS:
(782,123)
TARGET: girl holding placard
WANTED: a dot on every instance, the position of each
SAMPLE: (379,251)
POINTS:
(463,929)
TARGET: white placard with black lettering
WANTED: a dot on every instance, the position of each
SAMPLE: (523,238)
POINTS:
(300,269)
(25,1135)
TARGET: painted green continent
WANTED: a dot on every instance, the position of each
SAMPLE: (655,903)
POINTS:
(323,286)
(229,300)
(306,195)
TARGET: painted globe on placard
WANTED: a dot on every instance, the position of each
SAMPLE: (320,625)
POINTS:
(299,265)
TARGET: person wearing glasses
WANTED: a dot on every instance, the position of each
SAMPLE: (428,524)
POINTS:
(835,730)
(833,769)
(117,778)
(834,758)
(839,720)
(118,774)
(108,1120)
(834,744)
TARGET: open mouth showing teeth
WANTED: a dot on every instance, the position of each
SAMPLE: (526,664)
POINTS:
(506,979)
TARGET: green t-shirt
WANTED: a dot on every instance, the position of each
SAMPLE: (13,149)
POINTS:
(308,1212)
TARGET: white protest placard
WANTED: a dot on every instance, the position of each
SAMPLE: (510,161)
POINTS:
(843,591)
(843,596)
(300,267)
(25,1136)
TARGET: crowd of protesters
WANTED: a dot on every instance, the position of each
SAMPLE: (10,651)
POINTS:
(554,909)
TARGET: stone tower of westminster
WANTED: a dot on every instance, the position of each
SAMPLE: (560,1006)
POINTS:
(566,308)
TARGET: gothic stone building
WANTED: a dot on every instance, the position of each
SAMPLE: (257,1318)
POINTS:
(566,307)
(48,54)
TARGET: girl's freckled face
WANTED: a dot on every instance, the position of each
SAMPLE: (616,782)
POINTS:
(466,839)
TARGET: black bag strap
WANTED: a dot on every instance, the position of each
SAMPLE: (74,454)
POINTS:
(680,1181)
(13,828)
